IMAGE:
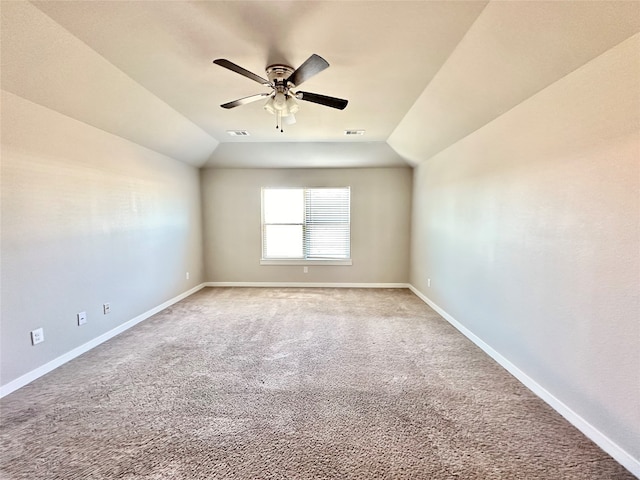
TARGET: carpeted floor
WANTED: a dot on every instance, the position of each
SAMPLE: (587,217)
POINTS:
(248,383)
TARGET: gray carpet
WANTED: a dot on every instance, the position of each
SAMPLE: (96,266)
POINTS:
(247,383)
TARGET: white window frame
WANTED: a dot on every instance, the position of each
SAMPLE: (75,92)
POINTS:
(299,261)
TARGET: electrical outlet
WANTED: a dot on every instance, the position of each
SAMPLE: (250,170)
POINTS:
(37,336)
(187,275)
(82,318)
(305,269)
(106,308)
(428,282)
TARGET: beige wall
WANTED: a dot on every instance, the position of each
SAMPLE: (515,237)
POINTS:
(87,218)
(380,224)
(529,231)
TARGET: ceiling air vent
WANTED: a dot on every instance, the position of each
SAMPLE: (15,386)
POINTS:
(238,133)
(354,132)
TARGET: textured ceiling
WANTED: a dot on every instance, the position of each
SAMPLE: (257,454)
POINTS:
(418,75)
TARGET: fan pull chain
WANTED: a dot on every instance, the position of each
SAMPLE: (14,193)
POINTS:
(279,121)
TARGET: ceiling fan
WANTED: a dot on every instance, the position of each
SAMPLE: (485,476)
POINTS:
(283,80)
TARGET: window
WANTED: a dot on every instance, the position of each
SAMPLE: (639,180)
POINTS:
(301,225)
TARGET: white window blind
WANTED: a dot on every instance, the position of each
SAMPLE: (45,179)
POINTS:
(327,229)
(306,223)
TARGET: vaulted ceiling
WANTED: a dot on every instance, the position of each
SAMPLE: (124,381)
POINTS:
(419,75)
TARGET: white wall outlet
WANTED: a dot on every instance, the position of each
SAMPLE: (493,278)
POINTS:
(82,318)
(305,269)
(106,308)
(428,282)
(37,336)
(187,275)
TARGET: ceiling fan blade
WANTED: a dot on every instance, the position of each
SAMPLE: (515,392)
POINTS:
(332,102)
(223,62)
(311,66)
(245,100)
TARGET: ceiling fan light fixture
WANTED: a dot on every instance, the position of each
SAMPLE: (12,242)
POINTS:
(292,105)
(268,106)
(280,101)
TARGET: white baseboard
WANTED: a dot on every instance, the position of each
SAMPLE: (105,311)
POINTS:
(618,453)
(62,359)
(306,285)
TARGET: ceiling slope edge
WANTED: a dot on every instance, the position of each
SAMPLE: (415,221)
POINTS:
(305,155)
(490,72)
(54,130)
(44,63)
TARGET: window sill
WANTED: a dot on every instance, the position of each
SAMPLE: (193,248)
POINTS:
(304,262)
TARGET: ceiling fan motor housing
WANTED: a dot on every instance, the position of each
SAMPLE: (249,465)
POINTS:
(277,74)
